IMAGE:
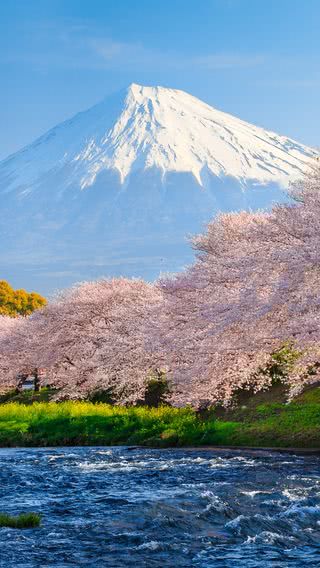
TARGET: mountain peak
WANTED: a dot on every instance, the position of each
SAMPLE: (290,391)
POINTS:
(134,87)
(161,128)
(115,189)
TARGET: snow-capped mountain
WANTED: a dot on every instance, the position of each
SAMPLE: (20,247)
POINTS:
(115,189)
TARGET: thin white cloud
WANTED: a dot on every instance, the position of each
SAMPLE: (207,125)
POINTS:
(136,55)
(78,45)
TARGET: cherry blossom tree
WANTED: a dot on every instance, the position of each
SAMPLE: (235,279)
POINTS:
(255,285)
(9,364)
(91,337)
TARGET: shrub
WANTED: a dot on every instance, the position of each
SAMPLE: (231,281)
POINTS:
(22,521)
(106,396)
(280,365)
(282,362)
(157,390)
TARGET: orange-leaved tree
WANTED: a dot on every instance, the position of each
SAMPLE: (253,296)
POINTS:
(18,302)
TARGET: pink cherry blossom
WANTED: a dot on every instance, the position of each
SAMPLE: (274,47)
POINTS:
(254,286)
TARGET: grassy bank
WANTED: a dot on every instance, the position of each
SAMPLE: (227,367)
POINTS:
(265,420)
(84,423)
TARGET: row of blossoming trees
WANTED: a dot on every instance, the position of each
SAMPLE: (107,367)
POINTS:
(213,327)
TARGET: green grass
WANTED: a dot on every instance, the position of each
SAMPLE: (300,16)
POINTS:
(264,419)
(260,420)
(22,521)
(85,423)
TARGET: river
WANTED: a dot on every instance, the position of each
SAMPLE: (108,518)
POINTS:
(118,507)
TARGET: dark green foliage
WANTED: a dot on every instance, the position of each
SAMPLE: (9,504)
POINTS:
(277,372)
(22,521)
(28,396)
(157,390)
(105,396)
(282,362)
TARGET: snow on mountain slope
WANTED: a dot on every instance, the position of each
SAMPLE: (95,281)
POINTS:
(163,128)
(118,187)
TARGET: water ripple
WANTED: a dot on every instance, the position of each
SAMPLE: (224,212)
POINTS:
(120,507)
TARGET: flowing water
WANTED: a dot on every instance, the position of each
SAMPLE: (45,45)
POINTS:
(118,507)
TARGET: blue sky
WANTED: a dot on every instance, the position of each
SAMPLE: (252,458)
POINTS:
(257,59)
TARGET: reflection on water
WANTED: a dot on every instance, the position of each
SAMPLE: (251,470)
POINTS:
(119,507)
